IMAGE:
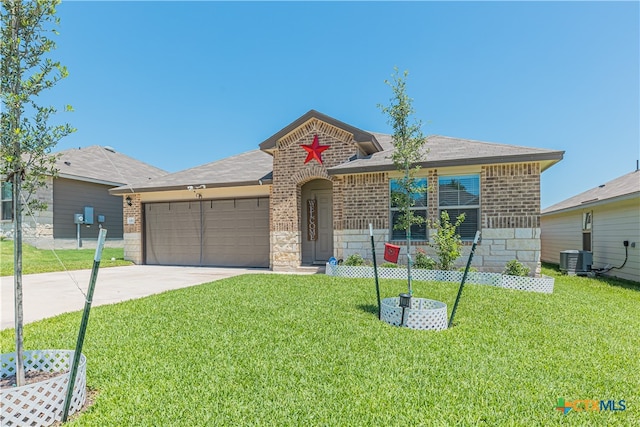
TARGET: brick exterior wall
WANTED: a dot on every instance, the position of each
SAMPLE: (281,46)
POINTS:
(132,235)
(510,196)
(290,173)
(361,199)
(510,215)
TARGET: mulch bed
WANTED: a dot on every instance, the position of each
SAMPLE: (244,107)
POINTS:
(30,377)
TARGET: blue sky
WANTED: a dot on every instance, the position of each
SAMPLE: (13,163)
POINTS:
(180,84)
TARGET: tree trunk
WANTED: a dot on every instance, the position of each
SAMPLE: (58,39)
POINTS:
(17,205)
(17,276)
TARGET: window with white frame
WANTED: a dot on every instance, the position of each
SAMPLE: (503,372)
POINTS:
(6,201)
(419,208)
(461,194)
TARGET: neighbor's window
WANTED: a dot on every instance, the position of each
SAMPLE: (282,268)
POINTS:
(419,208)
(461,194)
(6,202)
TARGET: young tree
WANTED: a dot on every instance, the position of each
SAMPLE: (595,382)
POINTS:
(26,135)
(408,142)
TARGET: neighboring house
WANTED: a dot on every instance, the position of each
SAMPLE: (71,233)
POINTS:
(312,189)
(84,178)
(599,220)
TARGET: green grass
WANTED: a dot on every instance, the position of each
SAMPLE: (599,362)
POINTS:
(44,260)
(309,350)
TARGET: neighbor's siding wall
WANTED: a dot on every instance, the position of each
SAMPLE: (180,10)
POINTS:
(560,232)
(71,196)
(613,223)
(37,226)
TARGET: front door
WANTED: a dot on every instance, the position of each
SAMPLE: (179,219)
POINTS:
(317,225)
(323,246)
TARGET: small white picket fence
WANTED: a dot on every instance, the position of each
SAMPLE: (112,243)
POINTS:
(542,284)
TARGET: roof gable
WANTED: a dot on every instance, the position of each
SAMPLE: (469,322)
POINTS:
(365,140)
(624,186)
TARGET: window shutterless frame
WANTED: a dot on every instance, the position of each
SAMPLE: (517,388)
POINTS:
(6,201)
(461,194)
(419,208)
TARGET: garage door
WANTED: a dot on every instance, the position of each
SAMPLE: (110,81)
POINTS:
(231,233)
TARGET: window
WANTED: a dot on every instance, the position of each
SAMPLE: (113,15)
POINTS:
(461,194)
(419,208)
(587,221)
(6,202)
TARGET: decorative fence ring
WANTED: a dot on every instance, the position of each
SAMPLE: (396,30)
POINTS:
(41,403)
(423,314)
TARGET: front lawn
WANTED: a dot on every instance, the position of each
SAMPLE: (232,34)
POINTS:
(308,350)
(44,260)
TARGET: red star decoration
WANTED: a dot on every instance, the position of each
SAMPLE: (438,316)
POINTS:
(314,150)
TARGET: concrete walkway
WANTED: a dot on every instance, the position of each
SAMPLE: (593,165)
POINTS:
(49,294)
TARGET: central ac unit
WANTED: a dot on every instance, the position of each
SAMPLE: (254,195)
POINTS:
(574,262)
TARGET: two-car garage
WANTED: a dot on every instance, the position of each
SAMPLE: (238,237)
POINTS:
(229,232)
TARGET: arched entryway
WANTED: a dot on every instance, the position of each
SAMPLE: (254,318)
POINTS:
(317,222)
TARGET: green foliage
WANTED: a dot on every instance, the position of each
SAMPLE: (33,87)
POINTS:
(189,357)
(26,137)
(424,261)
(26,68)
(515,268)
(389,265)
(45,261)
(408,142)
(446,240)
(354,260)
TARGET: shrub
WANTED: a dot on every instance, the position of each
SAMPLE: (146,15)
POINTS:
(354,260)
(515,268)
(389,265)
(424,261)
(471,269)
(447,241)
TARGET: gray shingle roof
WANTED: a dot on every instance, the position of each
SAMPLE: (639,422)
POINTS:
(446,151)
(243,169)
(625,186)
(96,163)
(250,167)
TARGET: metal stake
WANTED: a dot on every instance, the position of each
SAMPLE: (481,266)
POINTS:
(375,267)
(464,277)
(85,320)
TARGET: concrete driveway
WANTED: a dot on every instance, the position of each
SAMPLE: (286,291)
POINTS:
(49,294)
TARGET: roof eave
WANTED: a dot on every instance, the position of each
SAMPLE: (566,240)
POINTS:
(547,160)
(86,179)
(128,189)
(594,203)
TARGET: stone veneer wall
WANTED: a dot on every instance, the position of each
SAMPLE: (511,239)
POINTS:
(289,174)
(132,233)
(37,226)
(510,203)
